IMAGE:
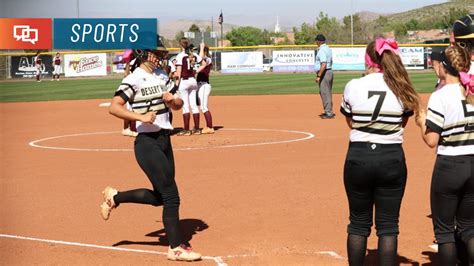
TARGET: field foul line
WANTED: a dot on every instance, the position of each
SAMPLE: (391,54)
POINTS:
(308,136)
(219,260)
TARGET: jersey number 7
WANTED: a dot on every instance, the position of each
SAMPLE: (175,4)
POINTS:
(378,106)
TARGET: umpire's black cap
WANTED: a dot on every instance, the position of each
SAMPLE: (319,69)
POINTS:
(320,37)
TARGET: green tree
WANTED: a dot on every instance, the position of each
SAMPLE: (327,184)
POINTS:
(245,36)
(305,35)
(413,24)
(400,30)
(360,30)
(454,13)
(330,28)
(194,28)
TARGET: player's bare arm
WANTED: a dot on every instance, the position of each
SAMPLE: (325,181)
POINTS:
(117,108)
(202,66)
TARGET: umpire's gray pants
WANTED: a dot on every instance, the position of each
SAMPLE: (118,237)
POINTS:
(325,90)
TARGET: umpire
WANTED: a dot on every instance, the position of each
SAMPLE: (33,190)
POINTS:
(324,75)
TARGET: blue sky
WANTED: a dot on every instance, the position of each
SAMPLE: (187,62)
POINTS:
(241,12)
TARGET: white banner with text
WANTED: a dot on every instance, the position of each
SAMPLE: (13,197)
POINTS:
(242,62)
(82,65)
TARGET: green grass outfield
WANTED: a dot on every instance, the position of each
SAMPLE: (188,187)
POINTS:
(243,84)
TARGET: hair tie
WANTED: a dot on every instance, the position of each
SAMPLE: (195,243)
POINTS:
(382,45)
(468,81)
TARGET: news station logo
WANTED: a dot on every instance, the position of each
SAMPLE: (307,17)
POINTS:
(21,33)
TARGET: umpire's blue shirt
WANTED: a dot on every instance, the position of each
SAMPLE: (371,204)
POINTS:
(324,55)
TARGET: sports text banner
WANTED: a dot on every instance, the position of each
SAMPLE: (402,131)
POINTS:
(293,61)
(242,62)
(25,33)
(107,33)
(80,65)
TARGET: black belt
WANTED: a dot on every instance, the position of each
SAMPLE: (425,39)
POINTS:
(162,132)
(373,146)
(187,78)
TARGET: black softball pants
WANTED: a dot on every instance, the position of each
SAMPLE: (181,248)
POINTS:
(452,198)
(154,154)
(374,175)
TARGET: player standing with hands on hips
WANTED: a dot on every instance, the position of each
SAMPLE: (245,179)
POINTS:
(449,126)
(377,107)
(150,102)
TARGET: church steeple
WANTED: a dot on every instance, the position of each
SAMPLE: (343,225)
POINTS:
(277,27)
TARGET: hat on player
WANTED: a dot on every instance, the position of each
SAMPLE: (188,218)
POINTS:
(150,42)
(463,31)
(463,28)
(320,37)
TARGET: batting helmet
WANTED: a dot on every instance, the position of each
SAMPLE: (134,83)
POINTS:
(150,42)
(463,30)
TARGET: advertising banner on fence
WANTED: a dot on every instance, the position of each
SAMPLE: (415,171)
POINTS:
(118,68)
(81,65)
(413,57)
(24,66)
(293,61)
(242,62)
(348,58)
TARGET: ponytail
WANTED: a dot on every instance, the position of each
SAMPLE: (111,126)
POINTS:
(383,53)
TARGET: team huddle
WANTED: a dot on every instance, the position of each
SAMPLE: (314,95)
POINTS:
(377,108)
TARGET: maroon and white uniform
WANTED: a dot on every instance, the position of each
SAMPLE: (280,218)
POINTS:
(204,87)
(38,64)
(57,65)
(188,85)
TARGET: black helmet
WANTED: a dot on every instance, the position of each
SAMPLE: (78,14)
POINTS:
(463,28)
(149,42)
(463,31)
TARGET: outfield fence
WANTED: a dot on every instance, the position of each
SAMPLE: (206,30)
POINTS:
(242,59)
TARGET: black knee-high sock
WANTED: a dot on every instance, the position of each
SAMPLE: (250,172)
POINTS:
(461,250)
(208,117)
(356,247)
(142,196)
(447,254)
(387,250)
(470,250)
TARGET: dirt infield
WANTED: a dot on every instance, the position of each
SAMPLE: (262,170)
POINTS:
(261,191)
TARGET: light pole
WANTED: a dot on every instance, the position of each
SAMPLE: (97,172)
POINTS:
(352,26)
